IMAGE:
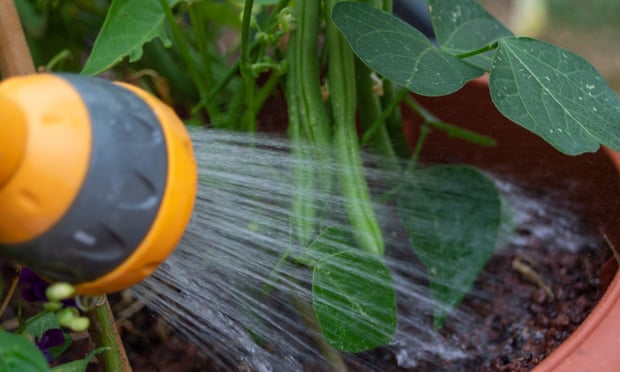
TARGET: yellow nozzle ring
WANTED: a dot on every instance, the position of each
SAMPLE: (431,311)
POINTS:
(12,137)
(48,140)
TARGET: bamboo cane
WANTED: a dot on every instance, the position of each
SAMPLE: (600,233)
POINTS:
(15,56)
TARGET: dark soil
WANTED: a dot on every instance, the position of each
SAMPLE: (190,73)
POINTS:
(521,323)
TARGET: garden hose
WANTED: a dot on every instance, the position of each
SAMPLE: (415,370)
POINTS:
(97,180)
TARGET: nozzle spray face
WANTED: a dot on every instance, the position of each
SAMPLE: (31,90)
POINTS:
(105,186)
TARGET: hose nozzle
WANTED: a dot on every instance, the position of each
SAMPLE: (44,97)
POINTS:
(97,180)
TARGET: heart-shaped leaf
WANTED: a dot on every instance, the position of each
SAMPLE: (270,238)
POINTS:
(399,52)
(19,354)
(556,94)
(462,26)
(452,215)
(128,25)
(353,294)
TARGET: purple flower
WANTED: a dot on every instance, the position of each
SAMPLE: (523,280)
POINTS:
(33,287)
(51,338)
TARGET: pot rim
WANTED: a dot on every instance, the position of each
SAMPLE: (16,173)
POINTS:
(595,344)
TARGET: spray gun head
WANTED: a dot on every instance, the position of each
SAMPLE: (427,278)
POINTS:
(97,180)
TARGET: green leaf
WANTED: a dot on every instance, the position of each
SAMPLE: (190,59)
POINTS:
(353,294)
(556,94)
(399,52)
(38,324)
(79,365)
(463,26)
(19,354)
(452,216)
(129,25)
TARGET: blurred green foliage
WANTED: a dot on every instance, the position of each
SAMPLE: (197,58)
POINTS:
(586,14)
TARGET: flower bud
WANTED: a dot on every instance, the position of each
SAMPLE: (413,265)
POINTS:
(59,291)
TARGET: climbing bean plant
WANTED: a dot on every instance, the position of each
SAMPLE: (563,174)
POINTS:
(327,57)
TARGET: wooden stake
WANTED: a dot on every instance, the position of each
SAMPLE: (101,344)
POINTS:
(15,56)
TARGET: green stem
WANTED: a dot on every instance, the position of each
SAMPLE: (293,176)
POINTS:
(245,67)
(394,121)
(308,120)
(369,112)
(266,89)
(61,56)
(346,146)
(424,131)
(333,356)
(413,162)
(183,48)
(232,71)
(197,17)
(484,49)
(389,109)
(104,333)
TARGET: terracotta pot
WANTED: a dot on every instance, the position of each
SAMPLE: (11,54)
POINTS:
(591,181)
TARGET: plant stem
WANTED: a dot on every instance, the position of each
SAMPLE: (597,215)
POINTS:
(424,131)
(10,292)
(484,49)
(61,56)
(232,71)
(371,115)
(183,48)
(104,333)
(305,310)
(347,150)
(308,120)
(245,67)
(197,17)
(266,89)
(389,108)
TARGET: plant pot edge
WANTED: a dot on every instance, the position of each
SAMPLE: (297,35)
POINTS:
(594,345)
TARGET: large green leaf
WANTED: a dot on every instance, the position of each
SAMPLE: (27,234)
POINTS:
(19,354)
(399,52)
(353,294)
(129,25)
(555,94)
(462,26)
(452,215)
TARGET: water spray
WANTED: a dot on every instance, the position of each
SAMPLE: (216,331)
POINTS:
(125,174)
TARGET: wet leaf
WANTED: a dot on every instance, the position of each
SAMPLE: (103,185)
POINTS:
(556,94)
(452,216)
(79,365)
(38,324)
(399,52)
(19,354)
(128,25)
(353,294)
(463,25)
